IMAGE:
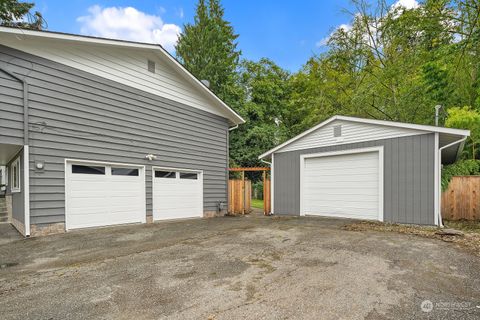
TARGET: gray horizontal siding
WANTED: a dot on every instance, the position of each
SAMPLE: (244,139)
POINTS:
(408,178)
(11,110)
(77,115)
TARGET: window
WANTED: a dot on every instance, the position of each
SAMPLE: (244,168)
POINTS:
(337,131)
(124,172)
(15,175)
(165,174)
(85,169)
(188,175)
(151,66)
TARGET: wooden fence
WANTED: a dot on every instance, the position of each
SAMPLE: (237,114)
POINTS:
(462,199)
(267,198)
(239,198)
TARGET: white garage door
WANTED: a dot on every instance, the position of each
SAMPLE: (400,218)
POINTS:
(177,194)
(345,185)
(101,195)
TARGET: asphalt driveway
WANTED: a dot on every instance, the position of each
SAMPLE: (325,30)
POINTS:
(236,268)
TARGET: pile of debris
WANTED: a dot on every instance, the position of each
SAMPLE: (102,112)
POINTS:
(469,240)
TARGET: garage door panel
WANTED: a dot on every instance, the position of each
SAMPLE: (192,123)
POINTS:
(344,185)
(102,199)
(341,197)
(341,161)
(91,188)
(352,213)
(368,188)
(175,198)
(351,185)
(332,172)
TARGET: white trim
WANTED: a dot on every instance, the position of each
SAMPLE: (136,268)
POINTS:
(378,149)
(436,180)
(18,176)
(272,185)
(106,163)
(234,117)
(370,121)
(177,176)
(26,188)
(65,173)
(176,169)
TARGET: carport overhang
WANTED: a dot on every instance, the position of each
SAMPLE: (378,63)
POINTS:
(451,150)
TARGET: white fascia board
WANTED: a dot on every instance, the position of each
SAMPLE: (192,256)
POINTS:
(234,117)
(371,121)
(420,127)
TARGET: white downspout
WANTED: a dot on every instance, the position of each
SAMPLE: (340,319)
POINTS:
(439,170)
(269,163)
(26,188)
(233,128)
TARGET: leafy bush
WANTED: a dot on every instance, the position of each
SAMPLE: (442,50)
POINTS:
(459,168)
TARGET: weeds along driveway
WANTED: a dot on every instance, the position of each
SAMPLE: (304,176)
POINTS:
(235,268)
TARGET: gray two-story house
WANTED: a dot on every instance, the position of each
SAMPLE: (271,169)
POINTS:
(97,132)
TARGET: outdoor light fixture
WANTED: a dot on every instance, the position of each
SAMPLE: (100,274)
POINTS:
(150,157)
(39,165)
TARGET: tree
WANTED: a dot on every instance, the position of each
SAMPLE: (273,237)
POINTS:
(17,14)
(208,49)
(265,97)
(394,63)
(466,118)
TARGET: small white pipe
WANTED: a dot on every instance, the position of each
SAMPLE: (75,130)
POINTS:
(233,128)
(440,222)
(269,163)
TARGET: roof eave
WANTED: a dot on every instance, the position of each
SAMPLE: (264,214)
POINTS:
(419,127)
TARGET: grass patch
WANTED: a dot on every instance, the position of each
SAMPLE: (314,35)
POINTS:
(470,240)
(464,225)
(257,203)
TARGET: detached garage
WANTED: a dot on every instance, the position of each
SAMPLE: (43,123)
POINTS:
(364,169)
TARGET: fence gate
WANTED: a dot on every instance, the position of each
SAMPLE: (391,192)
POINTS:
(240,192)
(239,196)
(462,199)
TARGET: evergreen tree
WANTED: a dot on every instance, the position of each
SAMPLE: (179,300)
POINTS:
(17,14)
(208,49)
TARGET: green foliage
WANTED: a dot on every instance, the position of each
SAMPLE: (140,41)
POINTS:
(257,203)
(208,49)
(394,64)
(17,14)
(460,168)
(265,97)
(466,118)
(391,64)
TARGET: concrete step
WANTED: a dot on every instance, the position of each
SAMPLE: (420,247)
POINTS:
(3,219)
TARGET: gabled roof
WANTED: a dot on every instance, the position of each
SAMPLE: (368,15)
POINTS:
(232,115)
(412,126)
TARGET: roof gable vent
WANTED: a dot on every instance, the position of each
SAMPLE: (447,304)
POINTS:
(337,131)
(151,66)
